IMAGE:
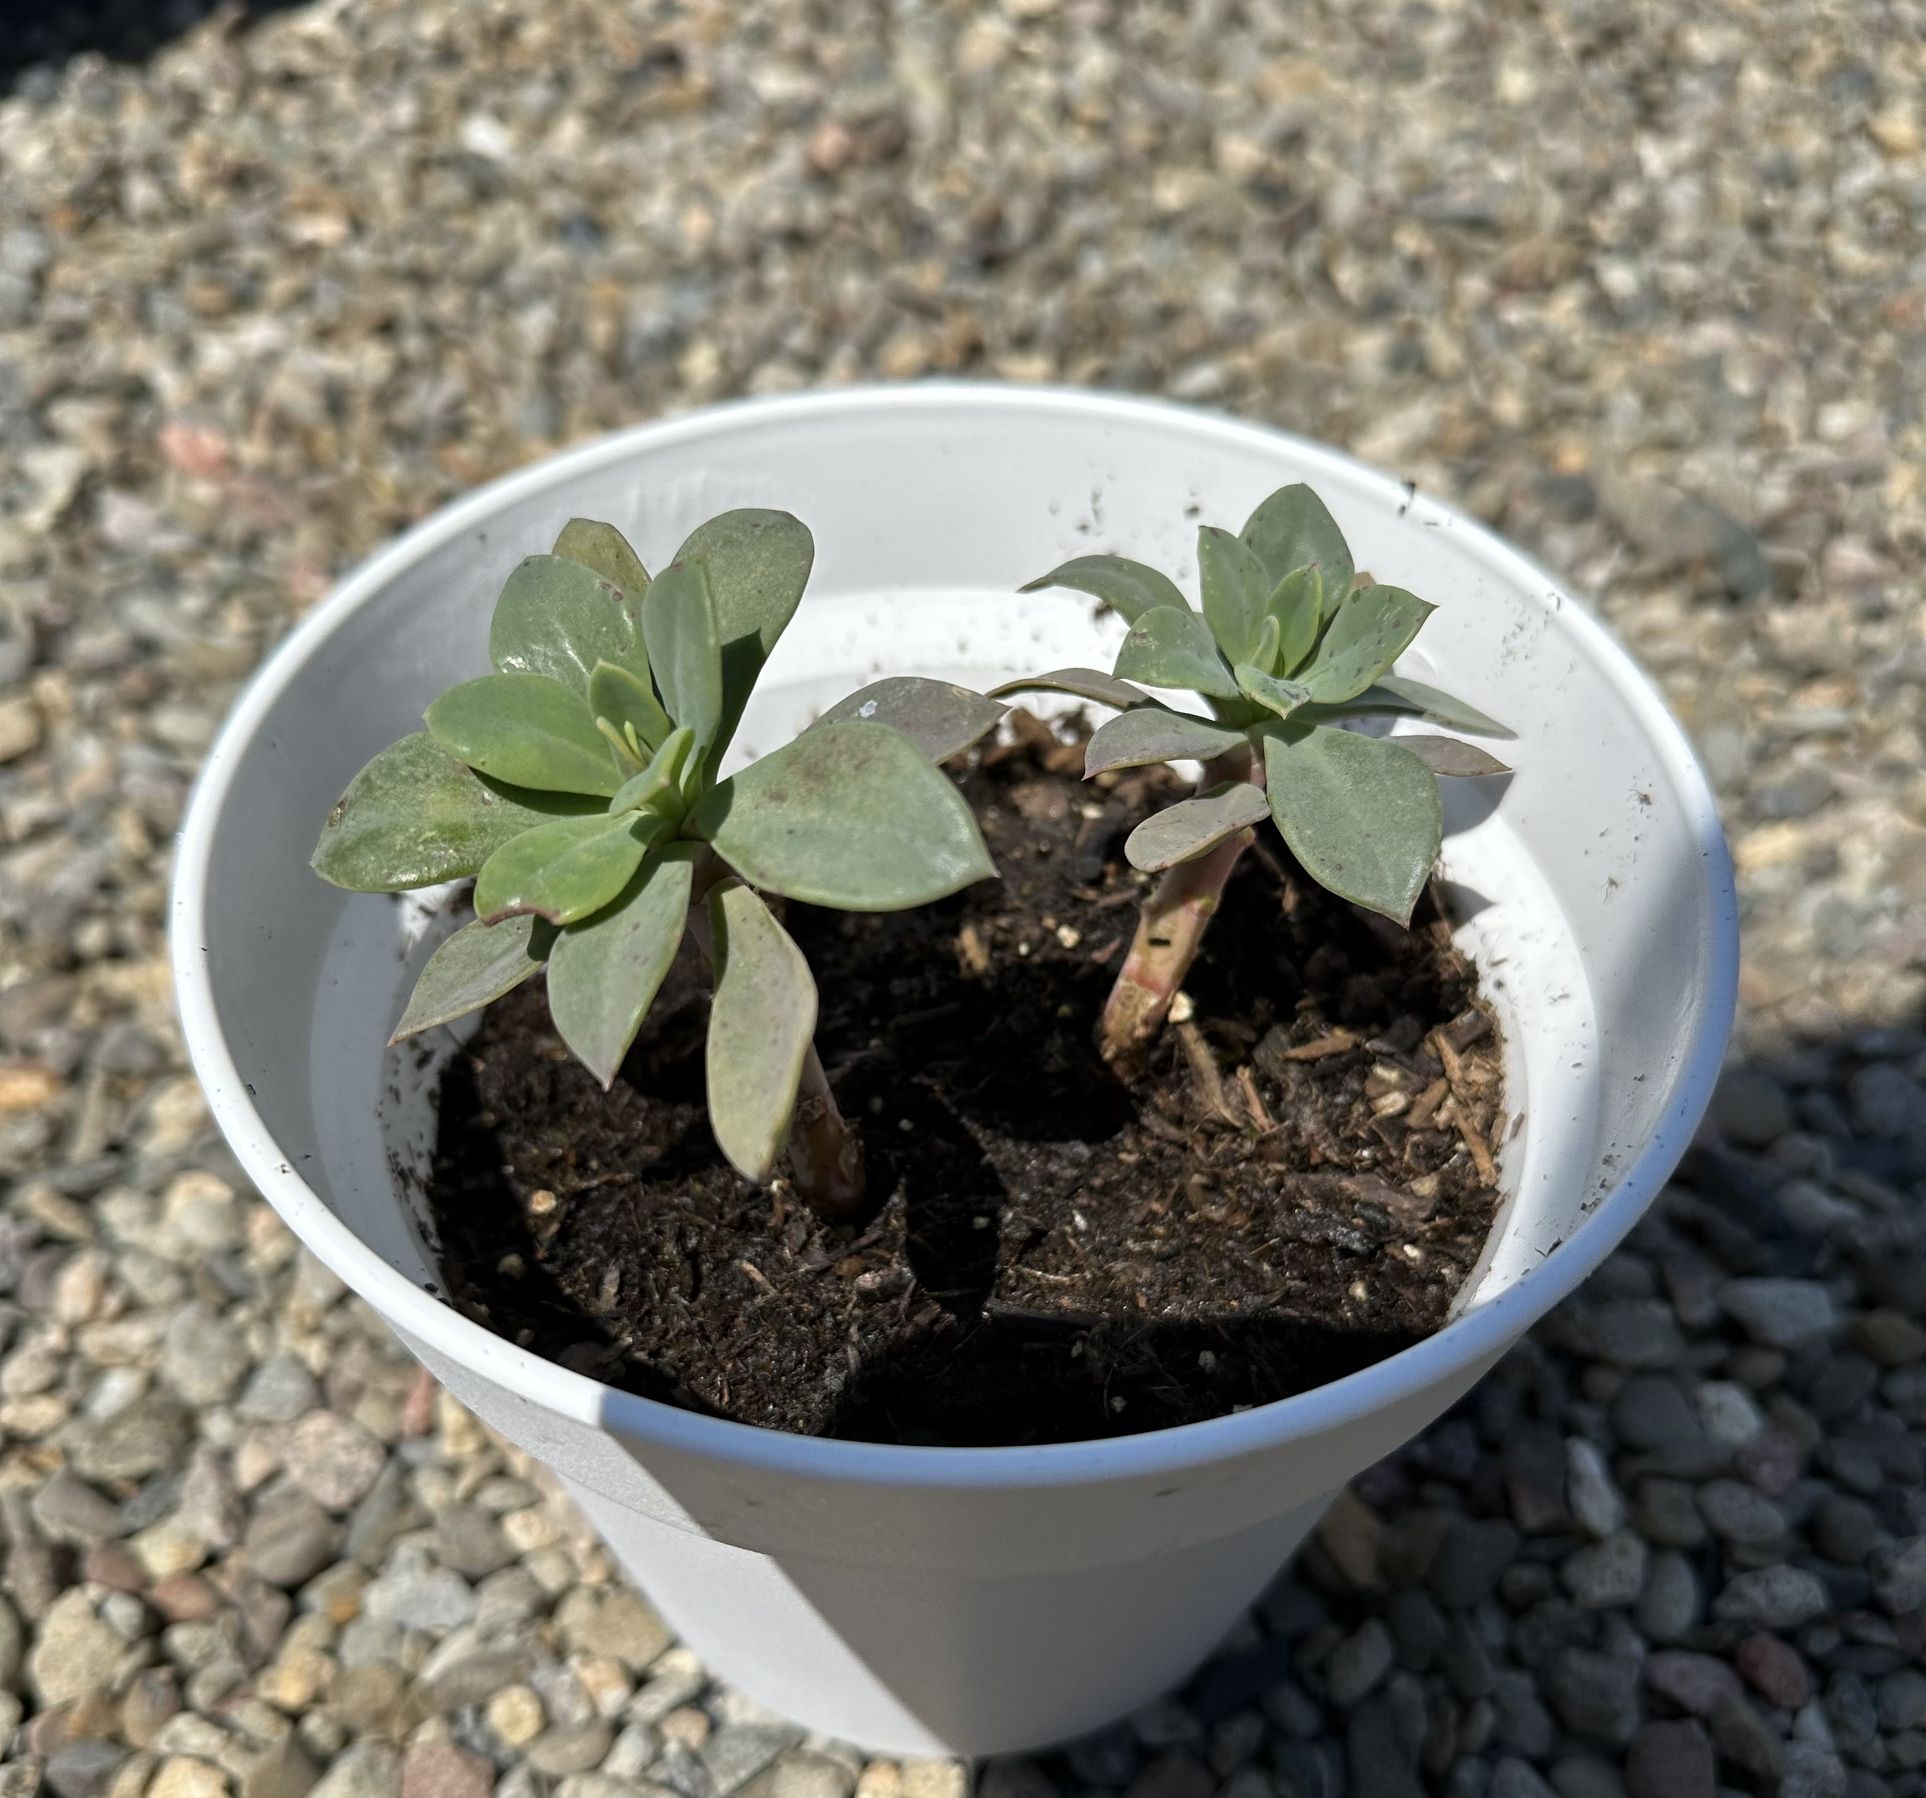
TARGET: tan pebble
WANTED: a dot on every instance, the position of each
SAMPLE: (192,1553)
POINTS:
(515,1715)
(687,1725)
(26,1086)
(180,1776)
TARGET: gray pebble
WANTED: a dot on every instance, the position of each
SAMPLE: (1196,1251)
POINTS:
(1738,1514)
(1899,1576)
(1513,1778)
(1596,1695)
(1774,1598)
(279,1390)
(1671,1601)
(290,1539)
(1783,1314)
(1594,1497)
(1358,1663)
(1607,1574)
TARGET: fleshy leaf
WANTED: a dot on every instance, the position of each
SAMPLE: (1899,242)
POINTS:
(473,968)
(1361,813)
(559,618)
(1297,603)
(760,1025)
(1129,588)
(850,815)
(526,729)
(758,564)
(1235,586)
(679,622)
(1282,697)
(1294,529)
(1083,683)
(1371,630)
(1397,695)
(604,549)
(940,718)
(659,785)
(1169,647)
(1448,755)
(628,702)
(566,870)
(604,972)
(1191,826)
(416,815)
(1136,739)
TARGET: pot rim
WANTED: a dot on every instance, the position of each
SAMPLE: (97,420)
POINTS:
(1463,1343)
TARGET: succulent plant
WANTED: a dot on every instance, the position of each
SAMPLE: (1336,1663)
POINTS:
(578,784)
(1290,644)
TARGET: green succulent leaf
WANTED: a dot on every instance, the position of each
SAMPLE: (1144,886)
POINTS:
(1235,586)
(604,973)
(760,1025)
(628,702)
(558,618)
(416,815)
(473,968)
(1451,756)
(526,729)
(940,718)
(1168,647)
(604,549)
(679,622)
(1184,830)
(1361,813)
(850,815)
(1371,630)
(1297,603)
(1282,697)
(1129,588)
(1294,529)
(759,563)
(567,870)
(1082,683)
(1137,738)
(659,785)
(1399,696)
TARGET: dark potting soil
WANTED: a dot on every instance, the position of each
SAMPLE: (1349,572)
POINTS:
(1294,1189)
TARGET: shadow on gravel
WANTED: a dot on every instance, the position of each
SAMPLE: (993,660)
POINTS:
(36,42)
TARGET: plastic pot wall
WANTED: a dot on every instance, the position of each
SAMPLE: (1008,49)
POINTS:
(922,1600)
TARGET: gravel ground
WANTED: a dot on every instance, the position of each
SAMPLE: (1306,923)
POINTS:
(1644,286)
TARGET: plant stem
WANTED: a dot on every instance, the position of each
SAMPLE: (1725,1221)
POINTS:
(825,1149)
(1170,929)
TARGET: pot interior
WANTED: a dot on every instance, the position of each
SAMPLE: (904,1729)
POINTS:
(1587,886)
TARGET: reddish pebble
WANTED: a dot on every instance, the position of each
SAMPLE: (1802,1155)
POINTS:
(108,1564)
(1774,1670)
(184,1598)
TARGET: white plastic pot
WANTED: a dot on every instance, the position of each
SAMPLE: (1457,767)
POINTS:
(969,1601)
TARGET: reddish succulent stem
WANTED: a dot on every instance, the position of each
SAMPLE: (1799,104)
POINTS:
(1170,929)
(825,1149)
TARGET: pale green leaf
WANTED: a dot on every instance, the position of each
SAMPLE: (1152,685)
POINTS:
(1371,630)
(1235,586)
(1397,695)
(628,702)
(940,718)
(1294,529)
(1082,683)
(1186,829)
(1129,588)
(416,815)
(659,785)
(528,730)
(1168,647)
(1297,603)
(760,1025)
(679,621)
(473,968)
(849,815)
(759,563)
(604,549)
(1136,739)
(1450,756)
(1360,813)
(566,870)
(558,618)
(604,972)
(1282,697)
